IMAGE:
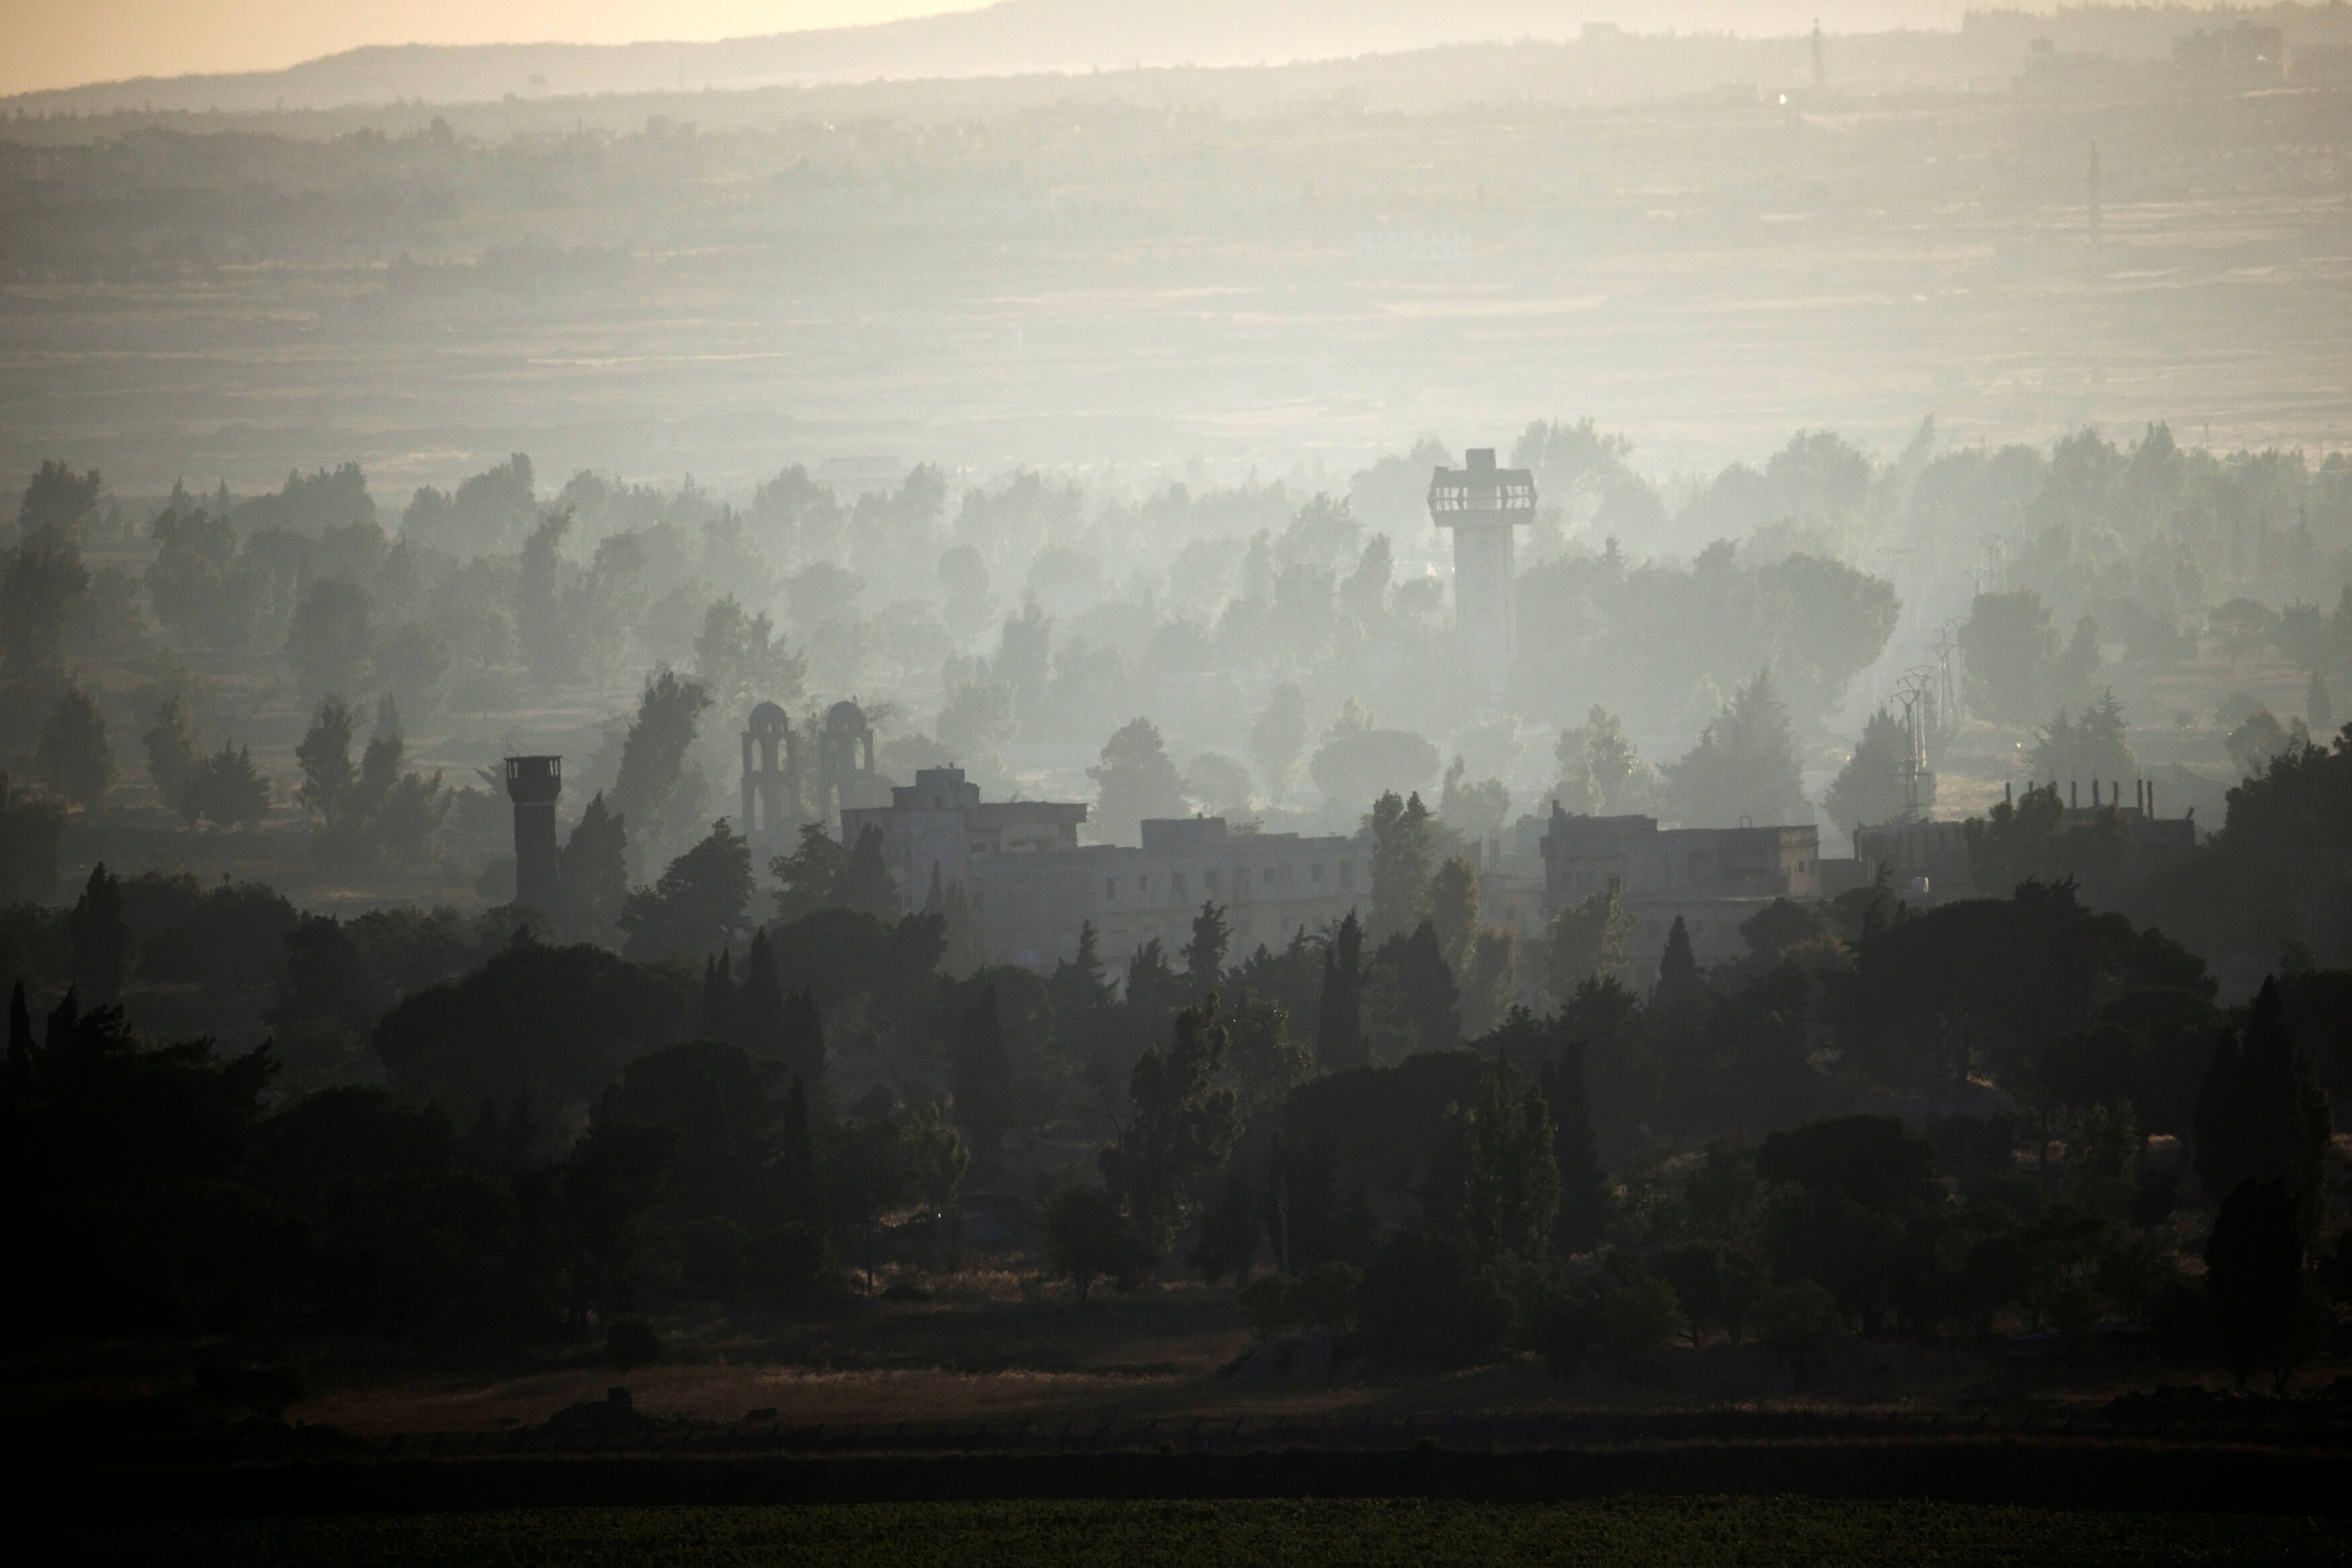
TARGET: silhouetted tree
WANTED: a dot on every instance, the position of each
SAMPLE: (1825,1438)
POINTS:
(1511,1180)
(698,904)
(653,753)
(102,939)
(1405,857)
(594,874)
(1870,787)
(2261,1115)
(74,757)
(1279,737)
(1744,765)
(30,829)
(2255,1287)
(1183,1126)
(228,791)
(1339,1031)
(1137,780)
(983,1075)
(174,755)
(555,1022)
(1080,989)
(1410,979)
(44,576)
(1584,1215)
(328,641)
(716,1016)
(1204,955)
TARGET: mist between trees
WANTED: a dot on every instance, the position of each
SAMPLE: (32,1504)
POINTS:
(776,1078)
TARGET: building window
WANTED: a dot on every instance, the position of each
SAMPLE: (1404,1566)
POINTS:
(1178,884)
(1143,887)
(1318,871)
(1272,876)
(1346,873)
(1208,881)
(1110,887)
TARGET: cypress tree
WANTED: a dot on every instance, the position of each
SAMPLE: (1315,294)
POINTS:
(865,881)
(1339,1030)
(983,1074)
(20,1033)
(595,874)
(2255,1281)
(716,1018)
(1678,981)
(759,1001)
(800,1038)
(100,935)
(1583,1185)
(1415,965)
(1080,990)
(64,1023)
(1204,955)
(2261,1115)
(796,1149)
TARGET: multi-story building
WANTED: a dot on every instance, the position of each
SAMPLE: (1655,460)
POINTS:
(1269,885)
(938,827)
(1713,878)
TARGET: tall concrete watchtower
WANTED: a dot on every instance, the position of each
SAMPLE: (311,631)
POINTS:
(1485,506)
(532,784)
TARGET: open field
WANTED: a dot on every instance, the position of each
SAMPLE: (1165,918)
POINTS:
(1665,1531)
(1174,290)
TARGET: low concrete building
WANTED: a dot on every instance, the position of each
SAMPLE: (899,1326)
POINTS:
(939,827)
(1031,907)
(1714,878)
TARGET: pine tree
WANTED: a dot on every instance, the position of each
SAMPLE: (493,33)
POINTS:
(100,938)
(227,790)
(983,1074)
(1339,1031)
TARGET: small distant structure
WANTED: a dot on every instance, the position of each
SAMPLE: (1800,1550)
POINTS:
(1711,878)
(772,774)
(934,830)
(1485,506)
(533,783)
(1820,58)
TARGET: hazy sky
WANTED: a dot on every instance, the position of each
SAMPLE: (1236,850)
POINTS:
(62,43)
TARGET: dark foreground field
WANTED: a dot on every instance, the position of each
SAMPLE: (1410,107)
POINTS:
(1680,1531)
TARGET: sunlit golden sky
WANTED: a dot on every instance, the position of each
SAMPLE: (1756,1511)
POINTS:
(62,43)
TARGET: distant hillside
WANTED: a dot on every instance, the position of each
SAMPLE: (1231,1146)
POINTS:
(1010,37)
